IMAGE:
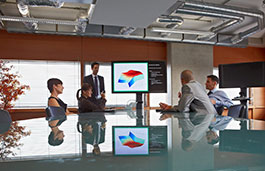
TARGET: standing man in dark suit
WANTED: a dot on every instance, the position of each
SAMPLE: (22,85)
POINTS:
(96,81)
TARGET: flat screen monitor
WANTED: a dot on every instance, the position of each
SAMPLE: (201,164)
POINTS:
(130,140)
(130,77)
(242,75)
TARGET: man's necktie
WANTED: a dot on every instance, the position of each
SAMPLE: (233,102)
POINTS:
(209,93)
(96,86)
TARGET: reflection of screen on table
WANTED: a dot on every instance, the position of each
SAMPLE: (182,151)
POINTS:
(131,140)
(130,77)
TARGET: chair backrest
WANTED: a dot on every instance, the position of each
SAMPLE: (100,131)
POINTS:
(54,113)
(236,111)
(5,121)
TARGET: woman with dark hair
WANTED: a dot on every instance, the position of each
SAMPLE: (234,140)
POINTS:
(88,104)
(91,119)
(56,111)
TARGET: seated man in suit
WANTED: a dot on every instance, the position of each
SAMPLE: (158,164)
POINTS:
(218,97)
(193,98)
(96,81)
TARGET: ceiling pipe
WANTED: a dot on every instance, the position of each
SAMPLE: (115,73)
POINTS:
(174,22)
(208,14)
(180,31)
(234,11)
(219,28)
(170,19)
(39,20)
(242,35)
(224,8)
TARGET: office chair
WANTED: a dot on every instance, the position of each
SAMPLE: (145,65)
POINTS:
(237,111)
(5,121)
(54,113)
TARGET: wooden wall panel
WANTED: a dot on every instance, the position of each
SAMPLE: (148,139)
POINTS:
(227,55)
(258,97)
(106,50)
(39,47)
(74,48)
(259,113)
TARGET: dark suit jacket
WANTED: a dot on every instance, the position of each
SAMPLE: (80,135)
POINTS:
(88,79)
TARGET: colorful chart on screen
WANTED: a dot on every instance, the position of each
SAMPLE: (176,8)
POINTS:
(130,77)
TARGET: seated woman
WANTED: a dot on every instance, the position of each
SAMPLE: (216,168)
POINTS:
(94,122)
(55,87)
(86,103)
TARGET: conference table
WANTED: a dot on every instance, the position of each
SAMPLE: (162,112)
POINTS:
(175,141)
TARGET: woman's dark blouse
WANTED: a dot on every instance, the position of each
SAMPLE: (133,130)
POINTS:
(60,102)
(62,105)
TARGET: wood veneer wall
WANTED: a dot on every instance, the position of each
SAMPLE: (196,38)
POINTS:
(74,48)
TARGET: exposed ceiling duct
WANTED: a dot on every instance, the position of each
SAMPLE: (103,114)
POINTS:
(39,20)
(189,21)
(235,15)
(172,23)
(23,7)
(233,11)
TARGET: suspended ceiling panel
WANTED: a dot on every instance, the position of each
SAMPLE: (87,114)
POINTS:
(134,13)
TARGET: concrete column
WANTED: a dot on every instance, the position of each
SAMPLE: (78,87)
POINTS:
(181,56)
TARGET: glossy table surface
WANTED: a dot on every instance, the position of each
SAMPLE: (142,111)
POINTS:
(177,141)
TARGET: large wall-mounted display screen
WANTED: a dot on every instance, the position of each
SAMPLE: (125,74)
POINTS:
(242,75)
(139,77)
(130,77)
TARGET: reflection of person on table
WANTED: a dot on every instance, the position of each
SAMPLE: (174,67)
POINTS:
(89,108)
(217,124)
(193,127)
(55,87)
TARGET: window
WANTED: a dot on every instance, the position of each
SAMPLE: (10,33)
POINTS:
(36,73)
(156,98)
(122,98)
(112,99)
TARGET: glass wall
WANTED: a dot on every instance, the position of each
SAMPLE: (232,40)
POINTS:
(36,73)
(112,99)
(121,98)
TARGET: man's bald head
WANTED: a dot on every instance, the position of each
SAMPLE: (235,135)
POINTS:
(186,76)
